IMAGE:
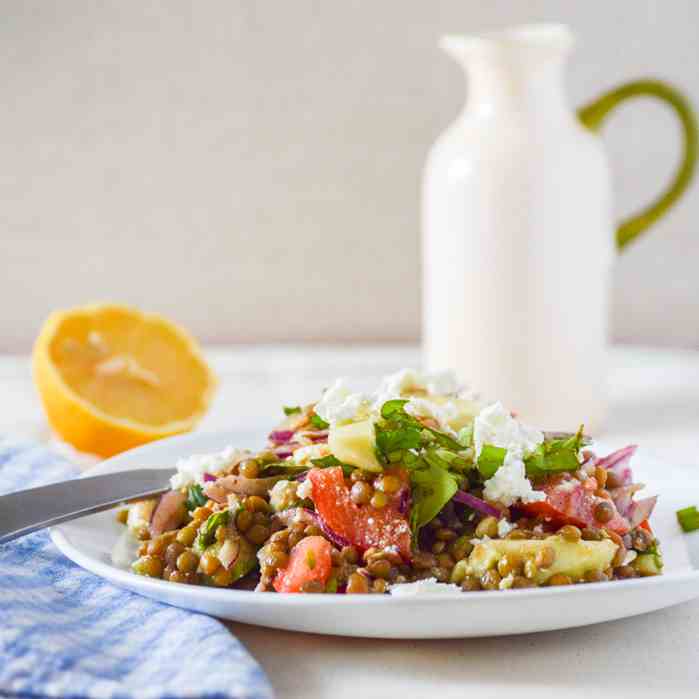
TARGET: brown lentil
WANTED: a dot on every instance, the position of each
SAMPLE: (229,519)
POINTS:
(625,572)
(487,527)
(172,552)
(517,534)
(619,557)
(461,547)
(361,493)
(359,475)
(243,520)
(613,481)
(444,560)
(380,568)
(604,511)
(641,540)
(508,564)
(589,534)
(186,535)
(560,579)
(255,503)
(150,566)
(249,468)
(570,533)
(470,584)
(187,562)
(312,587)
(520,582)
(530,569)
(545,557)
(390,484)
(222,577)
(201,514)
(379,586)
(601,476)
(439,546)
(156,546)
(177,576)
(423,560)
(490,580)
(349,554)
(379,500)
(122,516)
(593,576)
(445,534)
(209,564)
(357,584)
(257,534)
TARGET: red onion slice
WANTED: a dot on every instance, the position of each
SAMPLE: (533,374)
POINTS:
(302,514)
(240,485)
(281,436)
(208,478)
(623,497)
(641,510)
(168,513)
(476,504)
(618,463)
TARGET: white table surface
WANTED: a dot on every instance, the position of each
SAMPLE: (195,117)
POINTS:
(654,401)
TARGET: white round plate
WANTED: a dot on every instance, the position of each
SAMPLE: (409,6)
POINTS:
(89,542)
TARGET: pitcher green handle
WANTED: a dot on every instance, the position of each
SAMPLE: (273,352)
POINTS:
(593,115)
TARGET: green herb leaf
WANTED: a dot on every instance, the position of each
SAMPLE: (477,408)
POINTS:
(318,422)
(195,497)
(395,438)
(330,461)
(291,410)
(326,461)
(555,456)
(465,436)
(207,532)
(432,488)
(490,459)
(688,518)
(393,407)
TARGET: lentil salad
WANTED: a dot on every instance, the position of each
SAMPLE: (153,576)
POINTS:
(416,485)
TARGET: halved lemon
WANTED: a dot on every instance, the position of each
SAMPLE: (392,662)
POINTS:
(111,378)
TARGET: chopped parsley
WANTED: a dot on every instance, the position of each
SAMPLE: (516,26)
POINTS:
(318,422)
(195,497)
(207,532)
(688,518)
(291,410)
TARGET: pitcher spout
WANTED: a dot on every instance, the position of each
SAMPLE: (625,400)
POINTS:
(517,68)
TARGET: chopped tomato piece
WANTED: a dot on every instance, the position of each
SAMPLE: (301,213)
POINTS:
(568,501)
(646,525)
(309,561)
(362,526)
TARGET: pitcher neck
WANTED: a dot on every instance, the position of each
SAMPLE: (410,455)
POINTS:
(516,70)
(495,88)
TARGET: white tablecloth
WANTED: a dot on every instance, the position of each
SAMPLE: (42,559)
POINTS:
(654,401)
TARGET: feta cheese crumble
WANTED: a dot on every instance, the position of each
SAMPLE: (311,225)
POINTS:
(510,484)
(407,380)
(429,586)
(339,404)
(504,528)
(193,468)
(495,426)
(303,455)
(283,495)
(304,489)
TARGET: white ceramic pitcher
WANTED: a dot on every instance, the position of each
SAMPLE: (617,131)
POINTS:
(518,237)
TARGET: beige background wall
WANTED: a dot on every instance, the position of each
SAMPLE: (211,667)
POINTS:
(251,167)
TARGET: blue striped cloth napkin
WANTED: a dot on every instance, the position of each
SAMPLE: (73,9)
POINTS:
(67,633)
